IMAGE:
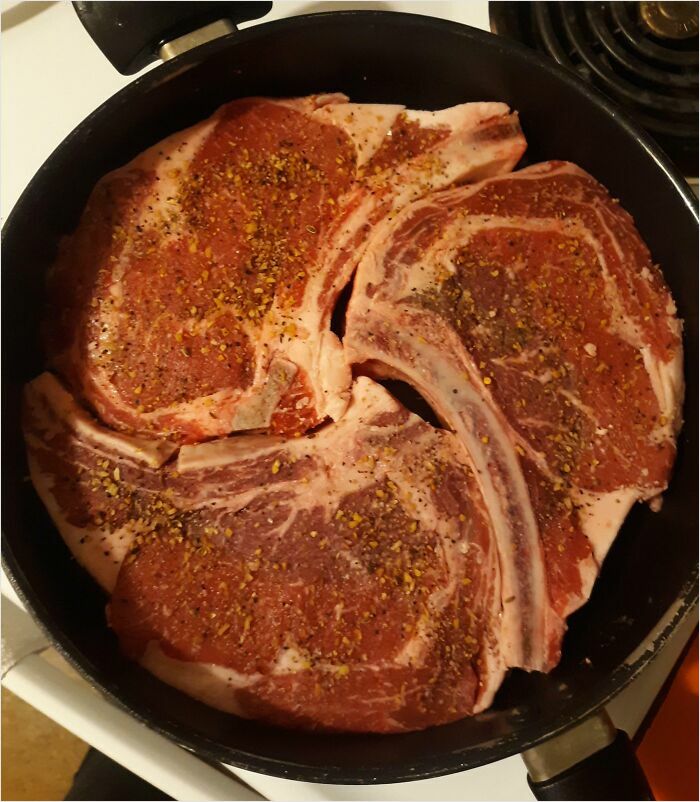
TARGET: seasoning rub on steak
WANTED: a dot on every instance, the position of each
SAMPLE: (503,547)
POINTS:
(195,297)
(527,310)
(344,580)
(278,536)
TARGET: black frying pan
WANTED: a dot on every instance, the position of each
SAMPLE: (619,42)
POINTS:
(649,580)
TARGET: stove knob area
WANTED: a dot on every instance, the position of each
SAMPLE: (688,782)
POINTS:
(671,20)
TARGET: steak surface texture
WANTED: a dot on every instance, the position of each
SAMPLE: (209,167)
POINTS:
(279,536)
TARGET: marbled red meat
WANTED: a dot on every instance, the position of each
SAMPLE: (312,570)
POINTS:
(77,467)
(195,297)
(528,311)
(344,565)
(346,580)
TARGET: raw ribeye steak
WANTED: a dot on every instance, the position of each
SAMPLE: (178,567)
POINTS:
(344,580)
(526,309)
(344,565)
(195,297)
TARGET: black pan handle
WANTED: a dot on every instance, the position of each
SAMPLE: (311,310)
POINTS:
(131,34)
(612,772)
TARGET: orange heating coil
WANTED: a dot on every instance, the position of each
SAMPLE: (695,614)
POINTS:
(669,749)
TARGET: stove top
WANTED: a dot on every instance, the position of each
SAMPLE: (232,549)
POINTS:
(644,55)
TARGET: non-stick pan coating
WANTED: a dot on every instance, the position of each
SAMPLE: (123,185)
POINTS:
(650,575)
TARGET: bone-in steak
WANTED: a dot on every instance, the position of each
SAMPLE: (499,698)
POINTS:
(195,297)
(527,310)
(343,580)
(343,564)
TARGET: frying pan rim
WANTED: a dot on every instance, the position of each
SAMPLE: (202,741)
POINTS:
(677,613)
(453,761)
(191,58)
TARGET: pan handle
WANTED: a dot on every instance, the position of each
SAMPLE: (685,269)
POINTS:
(592,761)
(133,34)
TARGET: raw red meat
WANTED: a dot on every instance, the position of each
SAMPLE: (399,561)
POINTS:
(78,467)
(372,573)
(344,580)
(528,312)
(195,297)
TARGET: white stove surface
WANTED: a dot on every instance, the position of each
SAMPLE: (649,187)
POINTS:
(52,77)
